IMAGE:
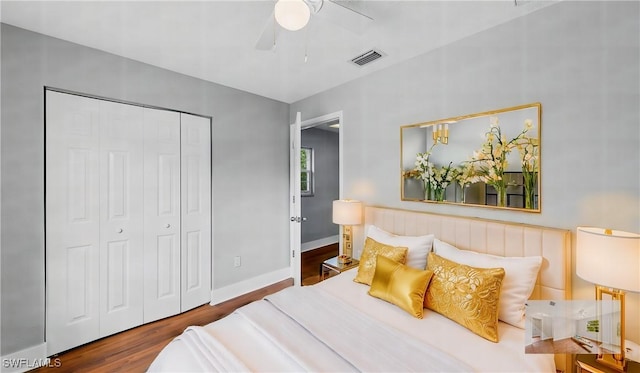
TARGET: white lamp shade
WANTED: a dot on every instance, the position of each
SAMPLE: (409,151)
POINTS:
(610,260)
(292,14)
(347,212)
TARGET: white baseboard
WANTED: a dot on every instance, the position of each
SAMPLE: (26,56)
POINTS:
(247,286)
(306,246)
(28,359)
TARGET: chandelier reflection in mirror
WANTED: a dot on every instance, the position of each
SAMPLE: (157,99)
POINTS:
(491,159)
(440,133)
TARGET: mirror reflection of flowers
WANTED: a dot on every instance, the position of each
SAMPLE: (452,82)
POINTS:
(467,175)
(491,159)
(424,171)
(441,178)
(529,154)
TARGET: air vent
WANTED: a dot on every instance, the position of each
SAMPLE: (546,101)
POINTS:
(367,57)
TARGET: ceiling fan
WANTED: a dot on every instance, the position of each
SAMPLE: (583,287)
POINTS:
(295,14)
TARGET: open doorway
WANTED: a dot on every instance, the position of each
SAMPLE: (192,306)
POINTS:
(320,186)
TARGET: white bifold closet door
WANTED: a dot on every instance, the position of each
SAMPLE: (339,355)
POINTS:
(121,216)
(162,214)
(72,221)
(196,210)
(94,231)
(128,216)
(177,213)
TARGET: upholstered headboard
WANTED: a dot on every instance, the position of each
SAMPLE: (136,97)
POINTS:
(486,236)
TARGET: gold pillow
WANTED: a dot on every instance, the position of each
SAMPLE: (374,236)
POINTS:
(401,285)
(372,249)
(467,295)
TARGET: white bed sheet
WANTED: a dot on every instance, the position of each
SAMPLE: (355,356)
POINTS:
(505,356)
(277,353)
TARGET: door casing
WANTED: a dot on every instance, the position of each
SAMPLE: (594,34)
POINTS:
(295,248)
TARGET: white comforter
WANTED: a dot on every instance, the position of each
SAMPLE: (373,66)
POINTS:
(335,326)
(484,356)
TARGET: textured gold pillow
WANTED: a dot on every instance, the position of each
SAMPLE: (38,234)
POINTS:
(372,249)
(401,285)
(467,295)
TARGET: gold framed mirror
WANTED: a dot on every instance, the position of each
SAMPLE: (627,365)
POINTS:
(489,159)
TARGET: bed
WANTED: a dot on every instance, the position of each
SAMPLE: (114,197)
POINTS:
(337,325)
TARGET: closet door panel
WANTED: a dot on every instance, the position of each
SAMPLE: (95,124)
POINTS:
(121,222)
(72,220)
(196,211)
(162,214)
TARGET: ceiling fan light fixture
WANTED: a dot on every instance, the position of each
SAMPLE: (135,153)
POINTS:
(292,14)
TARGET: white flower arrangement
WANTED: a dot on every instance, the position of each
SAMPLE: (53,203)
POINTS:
(491,160)
(529,155)
(442,178)
(424,168)
(487,164)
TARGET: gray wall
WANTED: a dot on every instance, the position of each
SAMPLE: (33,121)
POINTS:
(318,208)
(579,59)
(244,203)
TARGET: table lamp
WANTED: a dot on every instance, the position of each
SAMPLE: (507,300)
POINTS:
(347,212)
(609,259)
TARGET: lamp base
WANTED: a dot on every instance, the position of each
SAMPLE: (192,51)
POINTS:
(347,243)
(615,361)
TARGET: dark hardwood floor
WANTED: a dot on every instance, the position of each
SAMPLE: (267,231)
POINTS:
(134,350)
(564,346)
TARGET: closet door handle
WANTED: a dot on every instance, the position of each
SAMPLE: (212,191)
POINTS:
(120,230)
(168,226)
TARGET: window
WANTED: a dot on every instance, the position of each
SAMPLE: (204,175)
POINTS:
(306,171)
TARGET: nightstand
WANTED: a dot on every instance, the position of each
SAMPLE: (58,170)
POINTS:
(586,363)
(331,267)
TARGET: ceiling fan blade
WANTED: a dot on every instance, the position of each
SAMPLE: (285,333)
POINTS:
(344,17)
(267,40)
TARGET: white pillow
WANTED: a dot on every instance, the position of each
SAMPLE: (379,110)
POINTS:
(419,246)
(519,279)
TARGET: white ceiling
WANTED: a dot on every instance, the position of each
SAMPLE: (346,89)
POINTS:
(215,40)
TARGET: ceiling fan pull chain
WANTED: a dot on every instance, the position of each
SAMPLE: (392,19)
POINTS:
(275,24)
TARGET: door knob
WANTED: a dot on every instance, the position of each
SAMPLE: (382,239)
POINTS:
(168,226)
(120,230)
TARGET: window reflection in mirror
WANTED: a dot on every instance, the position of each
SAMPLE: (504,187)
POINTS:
(485,159)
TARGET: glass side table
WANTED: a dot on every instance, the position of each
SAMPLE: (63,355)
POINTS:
(332,267)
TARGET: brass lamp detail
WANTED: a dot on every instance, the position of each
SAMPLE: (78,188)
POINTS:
(610,259)
(616,361)
(347,213)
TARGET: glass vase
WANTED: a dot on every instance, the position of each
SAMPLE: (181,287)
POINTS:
(463,191)
(427,190)
(439,194)
(529,188)
(529,193)
(501,191)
